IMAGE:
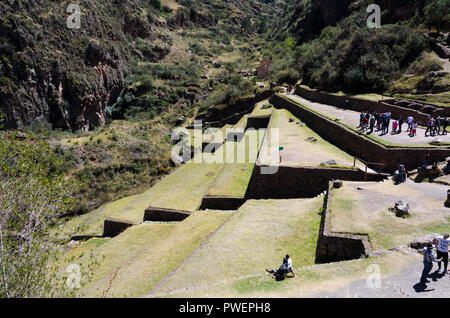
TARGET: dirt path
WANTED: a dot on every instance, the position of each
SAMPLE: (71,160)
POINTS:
(351,117)
(404,284)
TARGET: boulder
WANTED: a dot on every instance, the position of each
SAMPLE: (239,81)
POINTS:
(422,242)
(401,208)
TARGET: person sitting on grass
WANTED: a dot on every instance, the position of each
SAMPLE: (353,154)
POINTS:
(283,270)
(288,260)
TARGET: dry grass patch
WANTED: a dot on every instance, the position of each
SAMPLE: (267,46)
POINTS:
(181,190)
(298,150)
(145,265)
(255,237)
(367,211)
(311,281)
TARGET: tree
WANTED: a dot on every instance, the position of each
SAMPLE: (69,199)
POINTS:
(156,4)
(437,14)
(32,195)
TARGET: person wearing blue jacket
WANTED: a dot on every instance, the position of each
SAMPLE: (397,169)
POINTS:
(428,259)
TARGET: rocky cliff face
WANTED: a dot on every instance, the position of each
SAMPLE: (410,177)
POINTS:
(52,73)
(308,18)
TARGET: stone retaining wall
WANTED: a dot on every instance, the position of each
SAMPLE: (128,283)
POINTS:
(221,203)
(357,145)
(299,182)
(258,122)
(334,247)
(164,215)
(113,227)
(231,114)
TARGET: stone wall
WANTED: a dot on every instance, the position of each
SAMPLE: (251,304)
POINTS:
(258,122)
(231,114)
(221,203)
(334,247)
(113,227)
(299,182)
(357,145)
(164,215)
(357,104)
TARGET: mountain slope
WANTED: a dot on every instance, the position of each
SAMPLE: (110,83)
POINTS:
(51,73)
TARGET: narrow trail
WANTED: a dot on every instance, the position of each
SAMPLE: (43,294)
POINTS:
(403,284)
(351,117)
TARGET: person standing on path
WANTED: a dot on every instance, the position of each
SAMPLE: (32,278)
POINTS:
(437,127)
(430,127)
(371,123)
(428,259)
(442,252)
(401,121)
(444,126)
(410,122)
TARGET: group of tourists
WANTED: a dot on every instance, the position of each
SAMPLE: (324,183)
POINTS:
(290,88)
(434,126)
(368,121)
(441,246)
(382,122)
(283,270)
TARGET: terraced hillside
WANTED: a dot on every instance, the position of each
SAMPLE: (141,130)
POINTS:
(162,259)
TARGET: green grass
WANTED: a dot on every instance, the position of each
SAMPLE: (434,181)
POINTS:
(373,97)
(181,190)
(367,212)
(440,227)
(255,237)
(232,181)
(133,263)
(310,281)
(298,150)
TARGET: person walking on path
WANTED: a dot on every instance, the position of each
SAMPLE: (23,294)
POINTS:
(410,122)
(371,123)
(437,127)
(430,127)
(394,127)
(444,126)
(442,252)
(428,259)
(414,128)
(401,121)
(388,121)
